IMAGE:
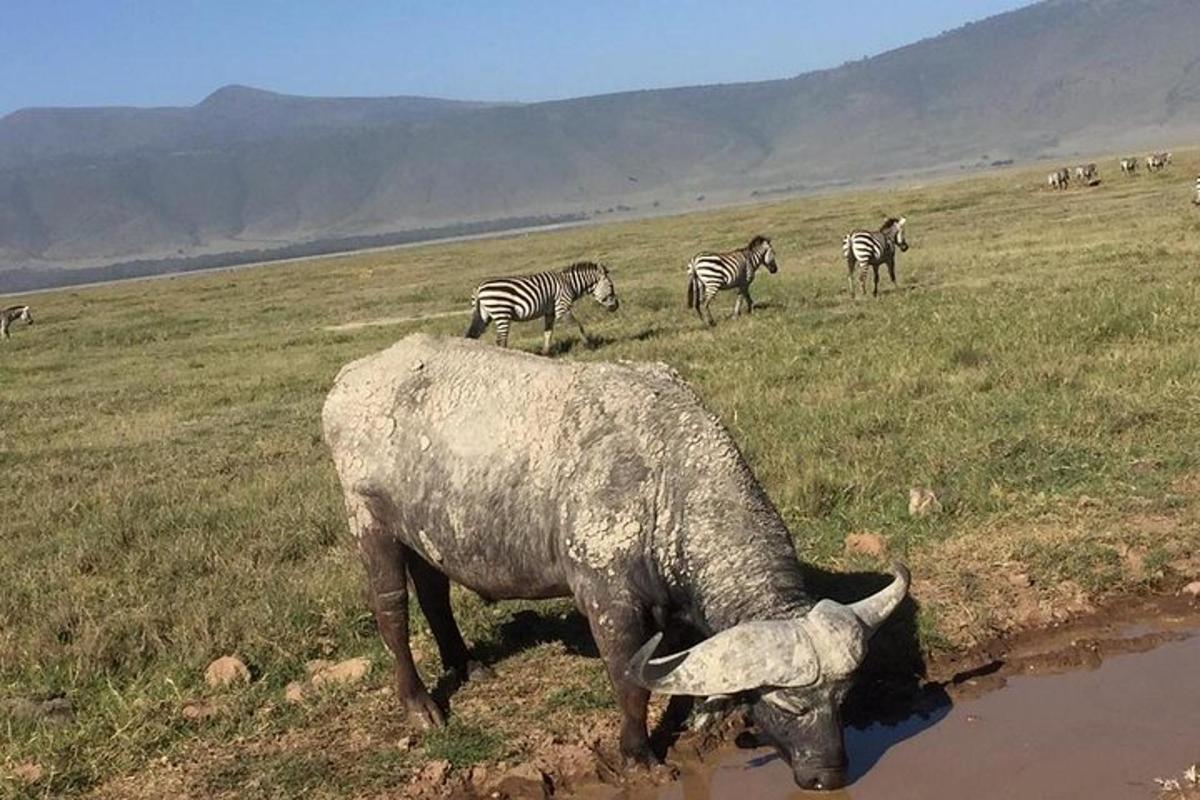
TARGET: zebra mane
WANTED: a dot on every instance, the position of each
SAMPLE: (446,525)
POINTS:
(15,308)
(889,223)
(757,242)
(586,266)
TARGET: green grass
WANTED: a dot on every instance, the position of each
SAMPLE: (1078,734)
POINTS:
(167,498)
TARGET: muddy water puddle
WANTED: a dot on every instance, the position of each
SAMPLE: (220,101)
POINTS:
(1100,731)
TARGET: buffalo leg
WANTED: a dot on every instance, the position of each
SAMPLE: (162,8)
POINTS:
(433,593)
(618,633)
(384,558)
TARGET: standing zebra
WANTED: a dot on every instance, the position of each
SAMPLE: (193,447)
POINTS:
(1196,199)
(864,249)
(1059,179)
(1129,165)
(1086,172)
(1157,161)
(709,273)
(13,314)
(549,295)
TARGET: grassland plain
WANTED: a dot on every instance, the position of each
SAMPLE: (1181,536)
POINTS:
(167,498)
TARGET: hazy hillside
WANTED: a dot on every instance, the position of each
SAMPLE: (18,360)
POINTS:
(246,168)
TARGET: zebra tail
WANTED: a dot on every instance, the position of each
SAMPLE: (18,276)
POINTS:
(478,323)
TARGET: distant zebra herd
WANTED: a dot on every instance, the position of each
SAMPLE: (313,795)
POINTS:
(1090,174)
(550,296)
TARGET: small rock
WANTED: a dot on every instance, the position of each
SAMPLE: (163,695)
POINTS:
(28,772)
(316,665)
(867,544)
(1192,589)
(344,673)
(922,502)
(200,709)
(477,777)
(1021,580)
(525,781)
(294,692)
(1085,501)
(226,671)
(418,366)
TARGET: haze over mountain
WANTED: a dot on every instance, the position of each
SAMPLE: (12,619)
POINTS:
(247,168)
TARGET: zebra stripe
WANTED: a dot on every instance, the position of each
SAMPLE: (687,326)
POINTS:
(549,295)
(863,249)
(709,273)
(1129,165)
(12,314)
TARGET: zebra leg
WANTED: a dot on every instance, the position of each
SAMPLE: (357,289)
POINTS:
(850,276)
(737,305)
(502,324)
(708,298)
(547,332)
(863,268)
(749,302)
(892,270)
(4,328)
(582,333)
(875,272)
(385,560)
(433,593)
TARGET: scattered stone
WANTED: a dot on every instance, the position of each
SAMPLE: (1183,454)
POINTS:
(1192,589)
(317,665)
(197,710)
(867,544)
(294,692)
(1021,580)
(922,502)
(430,781)
(226,671)
(28,772)
(344,673)
(524,781)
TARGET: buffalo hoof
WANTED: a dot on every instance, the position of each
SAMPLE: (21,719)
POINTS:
(647,763)
(424,713)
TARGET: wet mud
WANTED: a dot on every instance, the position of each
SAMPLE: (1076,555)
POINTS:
(1096,709)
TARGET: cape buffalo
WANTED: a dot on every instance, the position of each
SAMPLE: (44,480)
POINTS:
(519,477)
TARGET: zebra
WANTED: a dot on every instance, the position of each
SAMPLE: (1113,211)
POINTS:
(1157,161)
(1086,172)
(1059,179)
(13,314)
(709,273)
(1129,165)
(549,295)
(864,249)
(1196,198)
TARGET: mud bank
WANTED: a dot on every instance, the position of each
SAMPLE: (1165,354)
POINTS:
(1095,709)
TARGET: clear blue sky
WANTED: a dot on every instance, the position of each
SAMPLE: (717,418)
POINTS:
(174,52)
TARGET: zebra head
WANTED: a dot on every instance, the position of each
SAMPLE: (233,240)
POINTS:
(893,228)
(760,246)
(604,291)
(26,315)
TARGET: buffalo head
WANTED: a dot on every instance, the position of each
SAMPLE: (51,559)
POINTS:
(794,672)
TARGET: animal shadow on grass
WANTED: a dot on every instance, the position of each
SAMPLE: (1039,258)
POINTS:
(566,345)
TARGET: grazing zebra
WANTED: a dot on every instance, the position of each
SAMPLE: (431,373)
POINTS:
(864,249)
(13,314)
(1086,172)
(1157,161)
(709,273)
(1129,165)
(1059,179)
(549,295)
